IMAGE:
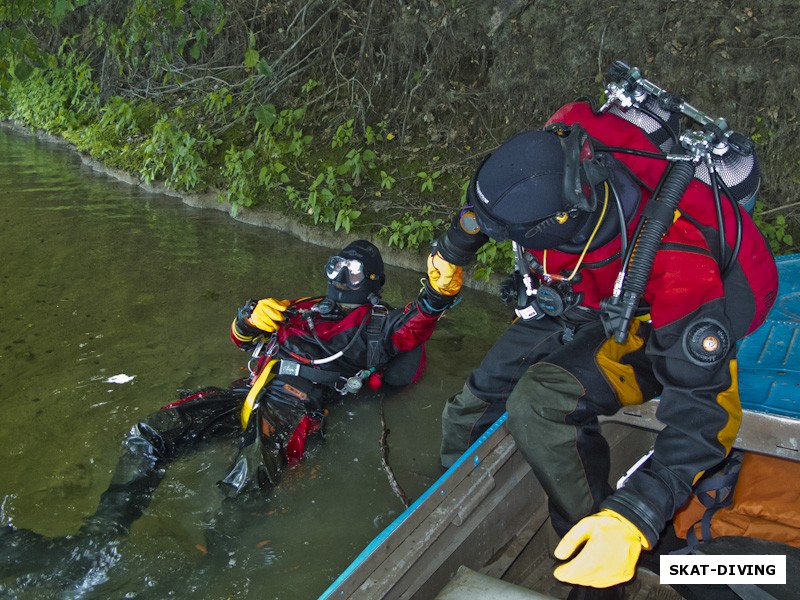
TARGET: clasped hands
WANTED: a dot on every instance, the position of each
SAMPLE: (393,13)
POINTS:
(443,276)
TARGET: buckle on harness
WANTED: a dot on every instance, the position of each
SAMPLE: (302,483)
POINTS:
(264,347)
(289,367)
(352,385)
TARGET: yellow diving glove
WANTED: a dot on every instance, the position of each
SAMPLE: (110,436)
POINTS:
(268,313)
(444,277)
(613,545)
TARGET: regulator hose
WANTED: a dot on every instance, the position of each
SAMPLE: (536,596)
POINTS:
(620,309)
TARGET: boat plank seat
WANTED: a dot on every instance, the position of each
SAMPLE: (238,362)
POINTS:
(471,585)
(760,432)
(769,377)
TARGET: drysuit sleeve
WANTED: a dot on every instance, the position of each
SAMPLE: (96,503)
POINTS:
(414,327)
(457,246)
(692,350)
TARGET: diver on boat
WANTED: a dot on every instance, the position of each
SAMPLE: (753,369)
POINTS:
(305,353)
(638,269)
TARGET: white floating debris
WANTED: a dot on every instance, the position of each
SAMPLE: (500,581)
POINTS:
(121,378)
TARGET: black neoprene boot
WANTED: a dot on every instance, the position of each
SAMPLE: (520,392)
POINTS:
(137,475)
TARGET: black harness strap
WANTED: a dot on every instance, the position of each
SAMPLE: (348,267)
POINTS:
(290,367)
(375,353)
(714,493)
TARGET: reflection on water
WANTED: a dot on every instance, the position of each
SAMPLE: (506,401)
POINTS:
(112,300)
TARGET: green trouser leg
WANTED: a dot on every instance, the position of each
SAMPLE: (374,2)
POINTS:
(459,417)
(568,456)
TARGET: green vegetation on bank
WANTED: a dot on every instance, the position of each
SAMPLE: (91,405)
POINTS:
(212,117)
(253,154)
(322,110)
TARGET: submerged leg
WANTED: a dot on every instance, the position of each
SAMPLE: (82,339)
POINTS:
(23,550)
(138,473)
(65,562)
(148,449)
(288,411)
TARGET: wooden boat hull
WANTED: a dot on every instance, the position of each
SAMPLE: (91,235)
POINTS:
(481,513)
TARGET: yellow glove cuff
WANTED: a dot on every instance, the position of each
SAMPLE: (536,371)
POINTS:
(238,335)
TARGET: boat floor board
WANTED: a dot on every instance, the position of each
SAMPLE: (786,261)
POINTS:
(471,585)
(533,567)
(534,570)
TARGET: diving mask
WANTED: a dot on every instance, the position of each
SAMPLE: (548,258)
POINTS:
(345,272)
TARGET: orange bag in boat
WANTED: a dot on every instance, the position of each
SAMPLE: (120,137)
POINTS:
(754,495)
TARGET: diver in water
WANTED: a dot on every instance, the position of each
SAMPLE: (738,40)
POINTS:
(307,352)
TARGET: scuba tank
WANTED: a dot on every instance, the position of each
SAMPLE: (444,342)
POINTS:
(740,173)
(715,154)
(660,125)
(657,112)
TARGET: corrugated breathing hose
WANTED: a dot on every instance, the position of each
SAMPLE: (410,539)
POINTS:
(620,310)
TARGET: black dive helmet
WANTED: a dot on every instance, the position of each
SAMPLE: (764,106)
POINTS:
(539,190)
(355,275)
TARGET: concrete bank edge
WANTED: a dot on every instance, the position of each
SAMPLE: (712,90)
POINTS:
(413,260)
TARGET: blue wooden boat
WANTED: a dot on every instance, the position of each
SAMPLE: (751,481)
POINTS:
(482,530)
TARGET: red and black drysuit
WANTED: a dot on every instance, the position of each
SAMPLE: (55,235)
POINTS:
(555,375)
(384,344)
(378,344)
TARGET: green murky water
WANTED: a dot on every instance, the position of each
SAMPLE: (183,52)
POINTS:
(100,279)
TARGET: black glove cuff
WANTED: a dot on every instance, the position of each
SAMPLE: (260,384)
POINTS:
(637,511)
(430,301)
(242,325)
(457,246)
